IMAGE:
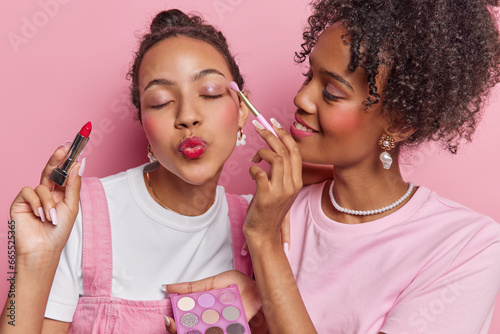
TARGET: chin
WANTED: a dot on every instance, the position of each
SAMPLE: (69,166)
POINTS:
(199,178)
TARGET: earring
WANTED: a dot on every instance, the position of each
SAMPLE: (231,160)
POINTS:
(240,140)
(151,156)
(386,143)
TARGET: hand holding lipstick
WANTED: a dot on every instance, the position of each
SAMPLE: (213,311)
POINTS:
(37,211)
(49,201)
(38,243)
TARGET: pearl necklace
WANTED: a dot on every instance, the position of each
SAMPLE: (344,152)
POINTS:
(369,212)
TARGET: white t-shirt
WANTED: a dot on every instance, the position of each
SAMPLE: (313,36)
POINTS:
(433,266)
(151,246)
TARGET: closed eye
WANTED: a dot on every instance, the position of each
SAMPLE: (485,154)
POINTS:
(329,96)
(159,106)
(308,77)
(211,97)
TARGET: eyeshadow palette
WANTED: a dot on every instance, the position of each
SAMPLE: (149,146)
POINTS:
(217,311)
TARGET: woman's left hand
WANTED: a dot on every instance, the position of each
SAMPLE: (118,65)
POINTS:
(246,286)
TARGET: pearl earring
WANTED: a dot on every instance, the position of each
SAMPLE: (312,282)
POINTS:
(151,156)
(240,140)
(386,143)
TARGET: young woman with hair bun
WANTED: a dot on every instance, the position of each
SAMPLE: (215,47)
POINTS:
(167,220)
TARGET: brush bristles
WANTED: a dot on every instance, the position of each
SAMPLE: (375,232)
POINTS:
(234,86)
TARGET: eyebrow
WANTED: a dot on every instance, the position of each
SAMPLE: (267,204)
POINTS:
(162,82)
(338,77)
(335,76)
(197,76)
(206,72)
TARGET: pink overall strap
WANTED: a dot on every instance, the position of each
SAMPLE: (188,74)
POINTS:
(97,252)
(237,214)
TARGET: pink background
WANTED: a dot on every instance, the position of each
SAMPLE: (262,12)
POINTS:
(63,63)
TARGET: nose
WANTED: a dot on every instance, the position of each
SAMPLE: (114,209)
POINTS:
(187,116)
(304,99)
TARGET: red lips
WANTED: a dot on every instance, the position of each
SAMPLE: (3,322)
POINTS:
(192,147)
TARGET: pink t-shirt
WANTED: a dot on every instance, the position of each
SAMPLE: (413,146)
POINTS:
(433,266)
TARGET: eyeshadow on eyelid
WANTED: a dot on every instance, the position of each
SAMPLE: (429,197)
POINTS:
(212,89)
(332,89)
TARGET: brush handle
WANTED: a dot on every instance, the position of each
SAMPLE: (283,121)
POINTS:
(263,121)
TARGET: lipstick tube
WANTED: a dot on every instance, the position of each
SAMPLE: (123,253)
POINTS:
(60,173)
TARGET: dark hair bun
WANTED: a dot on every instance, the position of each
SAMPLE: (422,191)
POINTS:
(173,18)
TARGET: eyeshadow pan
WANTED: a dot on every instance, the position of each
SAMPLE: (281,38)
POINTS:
(218,311)
(230,313)
(206,300)
(227,297)
(235,329)
(189,319)
(210,317)
(186,303)
(214,330)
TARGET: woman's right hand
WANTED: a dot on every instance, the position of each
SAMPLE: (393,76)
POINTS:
(43,217)
(277,189)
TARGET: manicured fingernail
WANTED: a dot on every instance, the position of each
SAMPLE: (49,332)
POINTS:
(244,252)
(275,123)
(164,289)
(42,214)
(167,321)
(286,248)
(255,159)
(53,216)
(63,146)
(258,125)
(82,166)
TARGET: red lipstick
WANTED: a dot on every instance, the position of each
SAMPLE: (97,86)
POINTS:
(60,173)
(192,147)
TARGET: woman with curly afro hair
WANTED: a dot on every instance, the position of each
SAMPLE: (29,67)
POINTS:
(369,251)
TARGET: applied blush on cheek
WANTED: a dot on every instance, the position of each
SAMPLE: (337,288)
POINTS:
(218,311)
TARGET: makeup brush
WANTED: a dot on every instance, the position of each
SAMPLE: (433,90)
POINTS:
(234,86)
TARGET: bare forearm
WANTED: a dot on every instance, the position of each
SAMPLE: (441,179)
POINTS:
(282,304)
(29,290)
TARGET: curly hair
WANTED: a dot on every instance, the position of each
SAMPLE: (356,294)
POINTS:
(442,59)
(173,23)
